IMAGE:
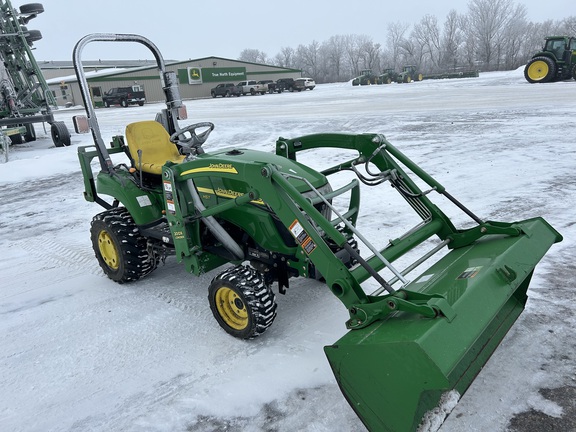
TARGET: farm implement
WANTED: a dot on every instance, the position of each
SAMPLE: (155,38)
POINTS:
(414,338)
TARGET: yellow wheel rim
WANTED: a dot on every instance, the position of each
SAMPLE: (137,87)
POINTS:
(538,70)
(108,250)
(231,308)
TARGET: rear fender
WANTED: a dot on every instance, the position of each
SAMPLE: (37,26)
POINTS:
(144,206)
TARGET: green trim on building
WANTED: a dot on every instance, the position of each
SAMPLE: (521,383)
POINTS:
(117,77)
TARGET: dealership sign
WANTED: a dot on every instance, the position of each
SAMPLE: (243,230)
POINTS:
(197,75)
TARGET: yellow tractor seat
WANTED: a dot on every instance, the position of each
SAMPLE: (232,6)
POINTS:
(153,140)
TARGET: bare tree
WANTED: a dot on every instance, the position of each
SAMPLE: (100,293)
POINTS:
(353,54)
(488,19)
(285,58)
(493,34)
(369,52)
(452,40)
(253,56)
(308,58)
(427,43)
(568,25)
(511,44)
(334,51)
(395,37)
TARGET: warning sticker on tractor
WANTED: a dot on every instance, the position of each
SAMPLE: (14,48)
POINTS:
(302,237)
(298,232)
(469,273)
(308,245)
(171,207)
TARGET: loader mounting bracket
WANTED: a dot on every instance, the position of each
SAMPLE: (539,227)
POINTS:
(464,238)
(427,305)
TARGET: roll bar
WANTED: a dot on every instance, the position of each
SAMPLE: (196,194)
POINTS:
(168,80)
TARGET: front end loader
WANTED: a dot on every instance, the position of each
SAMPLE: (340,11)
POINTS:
(415,338)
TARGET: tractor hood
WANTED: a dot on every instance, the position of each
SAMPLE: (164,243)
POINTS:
(237,160)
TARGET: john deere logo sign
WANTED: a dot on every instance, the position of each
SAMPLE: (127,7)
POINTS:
(194,75)
(200,75)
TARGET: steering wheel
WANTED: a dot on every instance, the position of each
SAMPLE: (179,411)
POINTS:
(195,139)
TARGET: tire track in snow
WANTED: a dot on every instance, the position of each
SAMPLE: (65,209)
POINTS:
(70,256)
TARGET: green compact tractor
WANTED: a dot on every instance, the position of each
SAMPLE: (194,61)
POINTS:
(556,61)
(414,338)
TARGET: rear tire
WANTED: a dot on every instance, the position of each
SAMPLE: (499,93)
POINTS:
(124,103)
(242,303)
(120,249)
(574,72)
(540,70)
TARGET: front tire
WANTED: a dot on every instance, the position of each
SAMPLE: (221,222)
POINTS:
(539,70)
(120,249)
(242,303)
(124,103)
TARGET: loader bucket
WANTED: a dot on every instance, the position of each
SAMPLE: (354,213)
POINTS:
(396,370)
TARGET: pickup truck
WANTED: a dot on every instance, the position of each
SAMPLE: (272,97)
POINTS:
(283,84)
(269,85)
(226,90)
(124,96)
(251,87)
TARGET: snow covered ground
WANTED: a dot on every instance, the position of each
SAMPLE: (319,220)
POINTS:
(81,353)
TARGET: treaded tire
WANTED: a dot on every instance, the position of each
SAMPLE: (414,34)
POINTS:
(31,8)
(60,134)
(30,134)
(242,303)
(17,139)
(33,36)
(120,249)
(574,72)
(540,70)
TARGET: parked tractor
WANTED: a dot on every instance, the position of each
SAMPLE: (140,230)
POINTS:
(367,78)
(388,76)
(556,61)
(409,73)
(24,95)
(265,218)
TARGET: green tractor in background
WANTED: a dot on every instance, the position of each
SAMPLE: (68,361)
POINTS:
(388,76)
(409,73)
(556,61)
(366,78)
(264,218)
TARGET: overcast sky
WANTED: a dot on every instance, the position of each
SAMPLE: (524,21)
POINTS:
(184,29)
